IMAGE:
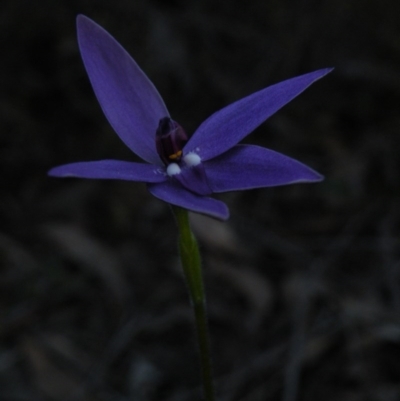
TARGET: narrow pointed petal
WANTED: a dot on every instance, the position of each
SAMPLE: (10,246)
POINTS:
(228,126)
(111,169)
(248,166)
(172,192)
(129,100)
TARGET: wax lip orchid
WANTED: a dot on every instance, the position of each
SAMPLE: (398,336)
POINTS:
(180,170)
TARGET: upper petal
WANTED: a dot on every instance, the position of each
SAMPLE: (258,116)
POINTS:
(228,126)
(111,169)
(172,192)
(248,166)
(129,100)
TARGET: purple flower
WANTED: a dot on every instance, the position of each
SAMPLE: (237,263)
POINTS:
(180,170)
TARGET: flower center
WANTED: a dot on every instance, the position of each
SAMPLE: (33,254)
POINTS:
(170,139)
(192,159)
(186,169)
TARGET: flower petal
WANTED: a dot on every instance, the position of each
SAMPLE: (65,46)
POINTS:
(248,166)
(194,179)
(225,128)
(111,169)
(172,192)
(129,100)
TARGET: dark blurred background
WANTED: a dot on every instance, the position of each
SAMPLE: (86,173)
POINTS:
(303,281)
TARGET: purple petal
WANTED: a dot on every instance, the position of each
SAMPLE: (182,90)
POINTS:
(247,166)
(111,169)
(194,179)
(129,100)
(172,192)
(228,126)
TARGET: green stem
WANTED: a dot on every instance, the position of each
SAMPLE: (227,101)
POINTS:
(191,263)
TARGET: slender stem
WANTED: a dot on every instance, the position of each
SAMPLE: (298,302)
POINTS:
(191,263)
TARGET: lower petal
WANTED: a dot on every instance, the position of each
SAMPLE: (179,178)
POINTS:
(111,169)
(248,166)
(194,179)
(172,192)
